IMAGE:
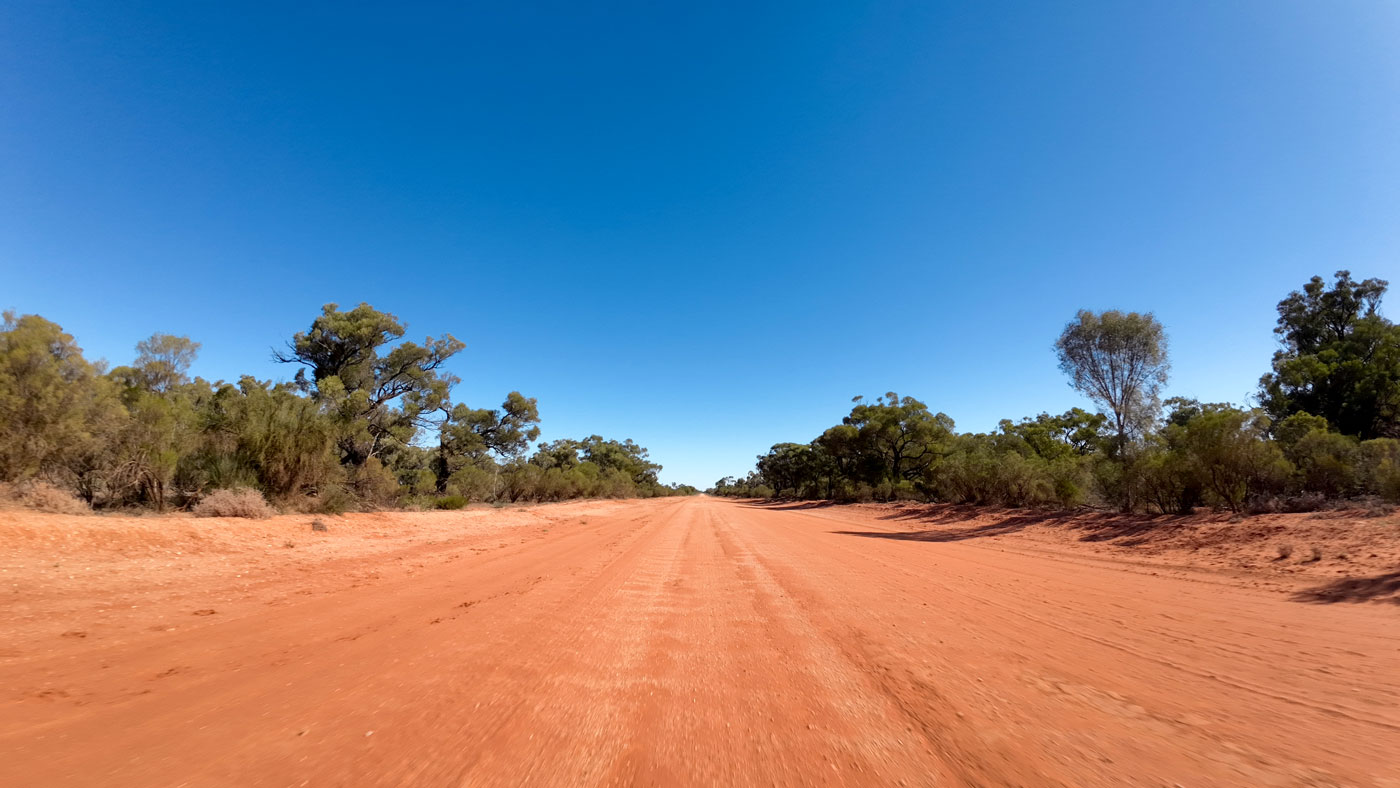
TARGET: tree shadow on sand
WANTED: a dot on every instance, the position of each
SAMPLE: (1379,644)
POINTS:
(787,504)
(1127,530)
(1380,588)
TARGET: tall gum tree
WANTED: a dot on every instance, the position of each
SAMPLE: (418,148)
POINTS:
(1119,361)
(1340,358)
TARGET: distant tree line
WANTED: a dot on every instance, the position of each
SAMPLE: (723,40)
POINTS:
(1325,427)
(367,422)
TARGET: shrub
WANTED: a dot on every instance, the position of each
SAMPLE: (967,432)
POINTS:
(374,485)
(451,502)
(243,502)
(1380,468)
(1284,551)
(1326,463)
(472,483)
(333,499)
(45,497)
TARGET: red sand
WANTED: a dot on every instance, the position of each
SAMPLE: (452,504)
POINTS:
(698,641)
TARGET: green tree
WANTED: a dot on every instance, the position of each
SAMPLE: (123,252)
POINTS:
(380,394)
(1119,361)
(561,454)
(473,435)
(1326,461)
(900,434)
(58,413)
(1229,449)
(787,466)
(163,362)
(625,457)
(1075,432)
(1379,467)
(163,425)
(1340,358)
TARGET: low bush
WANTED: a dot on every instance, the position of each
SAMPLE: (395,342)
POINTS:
(451,502)
(45,497)
(242,502)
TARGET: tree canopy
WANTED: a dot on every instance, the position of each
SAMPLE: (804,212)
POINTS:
(1321,433)
(1119,361)
(381,394)
(368,421)
(1340,359)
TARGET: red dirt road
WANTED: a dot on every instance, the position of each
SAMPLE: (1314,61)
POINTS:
(671,642)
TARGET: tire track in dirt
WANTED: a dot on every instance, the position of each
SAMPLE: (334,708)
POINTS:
(700,641)
(840,574)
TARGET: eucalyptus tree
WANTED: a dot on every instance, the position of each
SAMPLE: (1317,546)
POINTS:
(900,433)
(1119,361)
(478,435)
(380,392)
(1340,358)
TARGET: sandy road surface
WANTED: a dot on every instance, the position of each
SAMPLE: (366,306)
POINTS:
(705,642)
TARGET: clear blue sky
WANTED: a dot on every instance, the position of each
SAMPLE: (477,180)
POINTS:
(702,226)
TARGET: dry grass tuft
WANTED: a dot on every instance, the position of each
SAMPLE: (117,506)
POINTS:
(45,497)
(241,502)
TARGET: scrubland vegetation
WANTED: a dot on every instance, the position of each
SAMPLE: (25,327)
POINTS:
(1324,429)
(367,422)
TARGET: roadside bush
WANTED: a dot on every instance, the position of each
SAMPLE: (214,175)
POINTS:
(451,502)
(1274,504)
(45,497)
(1230,447)
(1379,471)
(375,486)
(1326,462)
(472,483)
(243,502)
(333,499)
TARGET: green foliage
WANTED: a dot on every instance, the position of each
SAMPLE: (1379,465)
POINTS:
(451,502)
(1119,361)
(626,458)
(1378,468)
(264,432)
(346,433)
(1227,452)
(162,363)
(1340,358)
(899,439)
(1326,463)
(474,483)
(379,395)
(369,422)
(58,413)
(478,436)
(1075,433)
